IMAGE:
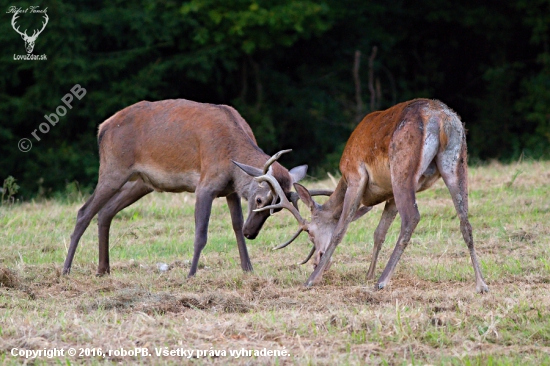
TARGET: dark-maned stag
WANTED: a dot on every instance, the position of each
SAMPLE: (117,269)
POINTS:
(390,156)
(181,146)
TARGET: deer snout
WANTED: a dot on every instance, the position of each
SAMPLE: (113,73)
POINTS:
(249,234)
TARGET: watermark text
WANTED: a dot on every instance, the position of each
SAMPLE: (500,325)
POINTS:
(77,91)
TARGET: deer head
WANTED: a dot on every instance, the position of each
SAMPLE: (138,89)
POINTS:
(323,219)
(323,222)
(29,40)
(261,195)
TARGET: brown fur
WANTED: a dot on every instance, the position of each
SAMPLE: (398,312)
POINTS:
(370,144)
(185,137)
(390,156)
(175,146)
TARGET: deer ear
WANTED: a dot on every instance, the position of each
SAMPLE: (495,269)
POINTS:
(250,170)
(361,211)
(298,173)
(304,195)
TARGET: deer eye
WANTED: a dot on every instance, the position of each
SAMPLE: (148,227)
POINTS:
(258,201)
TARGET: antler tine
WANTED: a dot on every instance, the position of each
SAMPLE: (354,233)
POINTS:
(274,159)
(44,23)
(309,256)
(15,16)
(284,203)
(321,192)
(290,240)
(294,197)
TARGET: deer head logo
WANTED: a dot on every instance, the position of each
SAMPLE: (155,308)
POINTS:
(29,40)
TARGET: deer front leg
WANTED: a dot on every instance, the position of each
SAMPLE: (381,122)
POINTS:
(234,203)
(203,208)
(390,211)
(352,201)
(405,200)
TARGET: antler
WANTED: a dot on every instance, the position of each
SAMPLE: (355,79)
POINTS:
(17,29)
(290,240)
(274,159)
(309,256)
(320,192)
(43,26)
(35,32)
(294,199)
(284,202)
(267,165)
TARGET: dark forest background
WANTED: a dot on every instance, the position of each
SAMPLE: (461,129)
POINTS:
(302,73)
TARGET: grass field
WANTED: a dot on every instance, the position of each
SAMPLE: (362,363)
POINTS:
(429,314)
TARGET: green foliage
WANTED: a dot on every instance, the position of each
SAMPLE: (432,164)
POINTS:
(534,104)
(9,190)
(285,65)
(250,25)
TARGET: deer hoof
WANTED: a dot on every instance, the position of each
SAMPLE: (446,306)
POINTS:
(247,267)
(482,289)
(379,286)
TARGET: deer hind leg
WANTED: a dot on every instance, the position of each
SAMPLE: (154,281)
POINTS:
(106,188)
(203,209)
(411,152)
(127,195)
(453,167)
(390,211)
(234,203)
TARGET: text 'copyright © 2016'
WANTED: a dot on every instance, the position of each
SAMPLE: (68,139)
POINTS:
(145,352)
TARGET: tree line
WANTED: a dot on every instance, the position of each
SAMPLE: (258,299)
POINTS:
(302,73)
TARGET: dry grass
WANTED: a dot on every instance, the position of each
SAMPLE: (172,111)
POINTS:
(430,313)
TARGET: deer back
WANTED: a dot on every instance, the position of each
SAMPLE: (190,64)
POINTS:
(175,142)
(403,136)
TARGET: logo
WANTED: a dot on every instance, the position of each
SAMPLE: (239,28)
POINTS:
(29,40)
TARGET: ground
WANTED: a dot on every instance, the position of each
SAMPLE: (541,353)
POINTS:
(429,314)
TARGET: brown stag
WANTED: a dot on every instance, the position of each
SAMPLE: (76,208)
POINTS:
(390,156)
(181,146)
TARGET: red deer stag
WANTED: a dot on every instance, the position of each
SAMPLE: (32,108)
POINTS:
(390,156)
(181,146)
